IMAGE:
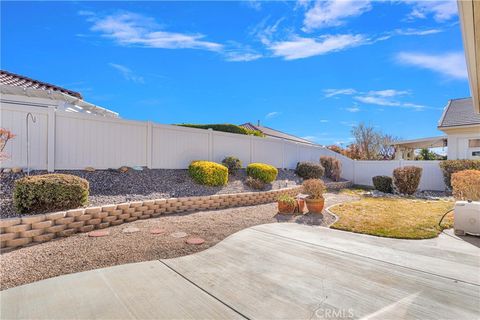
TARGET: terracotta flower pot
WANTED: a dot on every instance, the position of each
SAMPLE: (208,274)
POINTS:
(286,207)
(300,205)
(315,205)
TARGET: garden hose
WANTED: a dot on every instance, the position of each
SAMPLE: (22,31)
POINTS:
(440,223)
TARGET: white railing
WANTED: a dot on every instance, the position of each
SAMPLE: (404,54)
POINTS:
(66,140)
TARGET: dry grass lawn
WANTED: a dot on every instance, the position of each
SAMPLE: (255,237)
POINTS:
(394,218)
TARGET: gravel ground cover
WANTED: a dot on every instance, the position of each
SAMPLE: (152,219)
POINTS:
(81,252)
(112,186)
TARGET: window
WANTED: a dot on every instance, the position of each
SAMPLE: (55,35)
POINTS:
(474,143)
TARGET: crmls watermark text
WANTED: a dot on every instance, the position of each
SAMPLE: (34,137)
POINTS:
(326,313)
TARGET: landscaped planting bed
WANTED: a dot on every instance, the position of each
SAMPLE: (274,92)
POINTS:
(113,187)
(81,252)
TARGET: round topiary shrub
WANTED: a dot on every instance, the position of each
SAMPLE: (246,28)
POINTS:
(309,170)
(407,179)
(208,173)
(383,184)
(233,164)
(262,171)
(49,192)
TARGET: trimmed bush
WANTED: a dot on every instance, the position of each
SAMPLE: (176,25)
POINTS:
(407,179)
(49,192)
(449,167)
(231,128)
(262,171)
(208,173)
(254,183)
(233,164)
(383,184)
(309,170)
(314,188)
(332,166)
(466,185)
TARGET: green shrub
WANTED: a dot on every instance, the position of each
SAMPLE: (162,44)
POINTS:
(332,166)
(287,199)
(466,185)
(208,173)
(407,179)
(309,170)
(449,167)
(383,183)
(49,192)
(231,128)
(233,164)
(255,183)
(262,171)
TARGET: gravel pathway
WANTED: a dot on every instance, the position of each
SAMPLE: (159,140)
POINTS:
(112,186)
(81,252)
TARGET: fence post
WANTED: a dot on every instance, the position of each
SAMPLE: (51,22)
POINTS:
(149,144)
(210,144)
(51,139)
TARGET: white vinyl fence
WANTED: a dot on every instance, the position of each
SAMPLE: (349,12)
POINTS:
(67,140)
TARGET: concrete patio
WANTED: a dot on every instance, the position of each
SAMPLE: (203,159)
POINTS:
(273,271)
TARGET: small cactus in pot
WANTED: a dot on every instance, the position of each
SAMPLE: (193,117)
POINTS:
(286,204)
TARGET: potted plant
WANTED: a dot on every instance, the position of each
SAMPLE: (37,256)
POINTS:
(286,204)
(314,188)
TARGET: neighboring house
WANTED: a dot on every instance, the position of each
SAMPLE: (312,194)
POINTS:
(460,123)
(17,90)
(269,132)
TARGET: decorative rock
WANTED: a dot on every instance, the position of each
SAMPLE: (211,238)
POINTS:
(100,215)
(99,233)
(123,206)
(65,220)
(136,204)
(123,169)
(89,169)
(94,221)
(130,230)
(109,208)
(196,241)
(17,170)
(18,242)
(179,234)
(54,229)
(7,236)
(103,225)
(42,225)
(93,210)
(83,217)
(31,233)
(86,228)
(157,231)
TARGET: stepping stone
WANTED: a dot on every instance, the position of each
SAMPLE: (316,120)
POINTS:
(99,233)
(130,230)
(195,241)
(157,231)
(179,234)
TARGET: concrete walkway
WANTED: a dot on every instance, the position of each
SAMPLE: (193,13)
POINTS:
(281,271)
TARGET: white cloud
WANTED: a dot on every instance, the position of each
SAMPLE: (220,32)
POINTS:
(333,12)
(335,92)
(441,11)
(127,73)
(388,93)
(449,64)
(323,121)
(416,32)
(130,29)
(254,4)
(298,47)
(272,114)
(353,109)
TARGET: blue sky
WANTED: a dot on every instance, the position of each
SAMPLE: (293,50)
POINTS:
(313,69)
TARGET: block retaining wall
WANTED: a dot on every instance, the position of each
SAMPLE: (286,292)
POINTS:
(34,229)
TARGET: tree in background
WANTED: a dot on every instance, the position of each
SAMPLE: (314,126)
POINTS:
(426,154)
(5,135)
(372,144)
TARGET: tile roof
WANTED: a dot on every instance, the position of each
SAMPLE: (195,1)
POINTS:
(15,80)
(274,133)
(459,112)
